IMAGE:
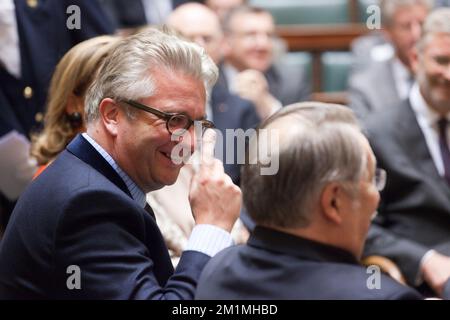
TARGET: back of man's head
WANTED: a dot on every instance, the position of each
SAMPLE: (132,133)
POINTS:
(318,143)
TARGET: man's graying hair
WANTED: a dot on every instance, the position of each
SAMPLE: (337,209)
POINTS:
(318,143)
(127,72)
(437,22)
(389,7)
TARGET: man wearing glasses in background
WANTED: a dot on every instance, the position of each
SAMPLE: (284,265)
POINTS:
(86,215)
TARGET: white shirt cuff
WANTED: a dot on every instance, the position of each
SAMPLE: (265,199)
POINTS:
(208,239)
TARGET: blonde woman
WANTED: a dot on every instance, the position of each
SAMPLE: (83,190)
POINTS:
(64,117)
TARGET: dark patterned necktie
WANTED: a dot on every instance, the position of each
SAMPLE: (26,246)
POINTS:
(443,144)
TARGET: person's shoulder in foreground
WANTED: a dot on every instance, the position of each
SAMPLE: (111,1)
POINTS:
(262,270)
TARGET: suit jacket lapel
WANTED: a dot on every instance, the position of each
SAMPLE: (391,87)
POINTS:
(83,150)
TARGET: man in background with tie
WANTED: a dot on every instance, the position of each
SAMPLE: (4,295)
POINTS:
(411,142)
(382,74)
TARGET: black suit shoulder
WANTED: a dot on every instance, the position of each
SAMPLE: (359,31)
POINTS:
(244,272)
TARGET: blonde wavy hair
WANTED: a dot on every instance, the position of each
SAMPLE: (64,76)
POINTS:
(73,76)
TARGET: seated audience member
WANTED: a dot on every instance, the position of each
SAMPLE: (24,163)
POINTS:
(387,82)
(410,141)
(249,64)
(64,117)
(312,215)
(82,229)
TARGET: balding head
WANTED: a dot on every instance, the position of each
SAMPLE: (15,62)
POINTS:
(199,24)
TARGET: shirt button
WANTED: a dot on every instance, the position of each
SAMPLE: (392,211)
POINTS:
(39,117)
(28,92)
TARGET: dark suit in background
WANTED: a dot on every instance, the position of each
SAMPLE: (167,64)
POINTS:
(276,265)
(414,213)
(231,112)
(44,38)
(91,222)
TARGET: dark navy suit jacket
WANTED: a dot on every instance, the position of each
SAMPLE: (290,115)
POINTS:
(231,112)
(276,265)
(79,212)
(44,38)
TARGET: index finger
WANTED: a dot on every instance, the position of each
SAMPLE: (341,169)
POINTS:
(208,144)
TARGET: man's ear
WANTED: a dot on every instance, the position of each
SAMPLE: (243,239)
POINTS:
(331,202)
(109,114)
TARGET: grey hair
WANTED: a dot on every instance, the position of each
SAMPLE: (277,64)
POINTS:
(389,7)
(437,21)
(319,144)
(127,72)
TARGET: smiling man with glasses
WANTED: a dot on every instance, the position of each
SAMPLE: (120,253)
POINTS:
(88,209)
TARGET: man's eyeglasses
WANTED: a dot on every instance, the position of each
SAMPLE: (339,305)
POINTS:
(176,123)
(379,179)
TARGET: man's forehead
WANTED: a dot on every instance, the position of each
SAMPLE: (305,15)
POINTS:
(251,18)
